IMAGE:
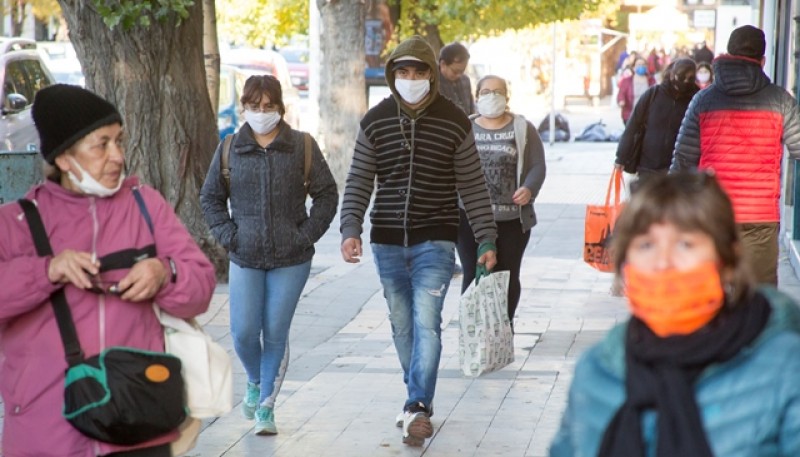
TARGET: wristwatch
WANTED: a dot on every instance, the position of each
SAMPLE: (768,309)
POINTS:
(173,270)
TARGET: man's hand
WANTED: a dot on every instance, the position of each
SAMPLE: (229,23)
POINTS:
(144,280)
(73,267)
(618,166)
(351,250)
(488,260)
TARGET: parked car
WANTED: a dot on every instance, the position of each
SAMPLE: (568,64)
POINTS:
(60,58)
(297,60)
(237,65)
(23,73)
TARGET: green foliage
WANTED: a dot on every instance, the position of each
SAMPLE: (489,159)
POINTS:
(261,22)
(45,9)
(130,13)
(458,19)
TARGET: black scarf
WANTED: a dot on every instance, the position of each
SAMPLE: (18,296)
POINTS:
(660,376)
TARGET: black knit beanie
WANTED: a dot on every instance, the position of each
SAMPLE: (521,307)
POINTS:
(747,41)
(64,114)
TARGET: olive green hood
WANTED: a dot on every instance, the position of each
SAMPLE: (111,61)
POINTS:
(415,46)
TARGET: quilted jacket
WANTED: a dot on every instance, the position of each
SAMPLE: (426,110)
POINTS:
(737,127)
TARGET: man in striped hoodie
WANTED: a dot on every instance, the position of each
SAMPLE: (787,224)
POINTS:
(418,148)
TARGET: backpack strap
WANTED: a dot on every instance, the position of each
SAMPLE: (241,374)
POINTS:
(143,208)
(307,166)
(224,161)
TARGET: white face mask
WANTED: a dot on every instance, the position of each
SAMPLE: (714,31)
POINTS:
(262,123)
(491,105)
(89,185)
(703,77)
(412,91)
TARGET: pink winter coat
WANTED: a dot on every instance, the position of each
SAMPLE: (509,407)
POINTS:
(32,363)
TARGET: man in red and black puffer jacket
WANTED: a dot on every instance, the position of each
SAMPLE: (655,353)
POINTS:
(737,127)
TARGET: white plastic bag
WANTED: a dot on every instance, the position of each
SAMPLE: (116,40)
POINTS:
(486,342)
(206,366)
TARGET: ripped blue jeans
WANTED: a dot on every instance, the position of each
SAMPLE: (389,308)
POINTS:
(415,281)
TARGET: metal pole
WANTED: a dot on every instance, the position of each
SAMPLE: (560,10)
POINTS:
(553,90)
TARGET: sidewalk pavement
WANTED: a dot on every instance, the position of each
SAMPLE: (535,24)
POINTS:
(344,384)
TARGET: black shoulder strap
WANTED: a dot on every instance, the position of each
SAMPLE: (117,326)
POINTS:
(69,337)
(651,95)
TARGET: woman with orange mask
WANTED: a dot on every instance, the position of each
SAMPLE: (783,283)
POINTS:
(708,364)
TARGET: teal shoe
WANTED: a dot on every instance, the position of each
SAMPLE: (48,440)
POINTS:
(250,401)
(265,422)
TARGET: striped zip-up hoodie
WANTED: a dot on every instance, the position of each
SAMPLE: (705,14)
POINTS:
(422,160)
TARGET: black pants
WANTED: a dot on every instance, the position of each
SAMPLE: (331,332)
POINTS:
(157,451)
(511,243)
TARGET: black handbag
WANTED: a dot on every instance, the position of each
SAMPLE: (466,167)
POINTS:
(123,395)
(632,165)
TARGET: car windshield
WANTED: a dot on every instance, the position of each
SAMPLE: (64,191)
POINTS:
(295,55)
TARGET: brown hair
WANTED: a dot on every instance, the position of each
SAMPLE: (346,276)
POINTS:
(486,78)
(257,85)
(691,201)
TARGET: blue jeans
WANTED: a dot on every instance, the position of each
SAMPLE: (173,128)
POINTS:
(262,304)
(415,281)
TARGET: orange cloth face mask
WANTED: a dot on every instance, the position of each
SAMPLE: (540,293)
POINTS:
(675,302)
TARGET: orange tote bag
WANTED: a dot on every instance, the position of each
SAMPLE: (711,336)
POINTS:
(600,221)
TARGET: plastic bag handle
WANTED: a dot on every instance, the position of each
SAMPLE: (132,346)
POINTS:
(616,180)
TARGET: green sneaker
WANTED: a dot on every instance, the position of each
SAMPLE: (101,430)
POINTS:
(265,421)
(250,400)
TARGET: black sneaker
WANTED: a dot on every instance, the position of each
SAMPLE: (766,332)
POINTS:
(416,425)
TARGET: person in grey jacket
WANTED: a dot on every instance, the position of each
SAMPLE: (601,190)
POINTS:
(453,81)
(269,236)
(512,158)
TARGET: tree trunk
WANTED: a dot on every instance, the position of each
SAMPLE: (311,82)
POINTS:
(155,77)
(432,36)
(211,52)
(342,100)
(17,10)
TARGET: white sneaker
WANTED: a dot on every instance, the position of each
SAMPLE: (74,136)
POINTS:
(398,420)
(416,425)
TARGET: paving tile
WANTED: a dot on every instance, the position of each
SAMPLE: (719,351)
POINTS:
(345,385)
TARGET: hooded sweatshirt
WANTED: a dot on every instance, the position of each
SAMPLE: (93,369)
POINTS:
(424,159)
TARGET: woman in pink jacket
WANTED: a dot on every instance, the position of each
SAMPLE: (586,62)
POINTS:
(90,214)
(632,87)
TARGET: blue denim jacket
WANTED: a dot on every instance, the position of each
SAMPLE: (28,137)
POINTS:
(750,405)
(268,225)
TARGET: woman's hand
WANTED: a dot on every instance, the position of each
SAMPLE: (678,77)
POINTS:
(522,196)
(144,280)
(73,267)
